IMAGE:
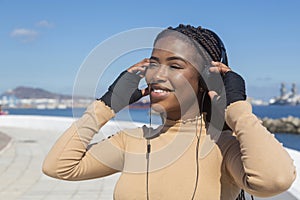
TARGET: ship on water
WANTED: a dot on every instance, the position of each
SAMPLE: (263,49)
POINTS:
(286,98)
(3,112)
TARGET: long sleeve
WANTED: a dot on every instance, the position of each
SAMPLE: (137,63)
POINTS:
(258,163)
(72,158)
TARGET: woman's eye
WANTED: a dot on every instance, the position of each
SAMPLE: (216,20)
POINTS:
(152,65)
(175,67)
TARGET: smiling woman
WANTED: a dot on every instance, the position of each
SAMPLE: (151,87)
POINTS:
(209,146)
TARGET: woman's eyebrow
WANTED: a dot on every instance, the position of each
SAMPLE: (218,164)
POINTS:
(169,58)
(154,58)
(176,58)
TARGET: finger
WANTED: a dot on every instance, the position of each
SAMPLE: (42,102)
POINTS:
(214,69)
(219,67)
(221,70)
(139,71)
(212,94)
(145,61)
(140,66)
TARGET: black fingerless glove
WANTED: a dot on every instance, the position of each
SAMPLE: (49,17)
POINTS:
(123,91)
(234,87)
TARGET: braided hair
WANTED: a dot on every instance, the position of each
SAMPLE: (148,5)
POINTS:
(207,39)
(211,43)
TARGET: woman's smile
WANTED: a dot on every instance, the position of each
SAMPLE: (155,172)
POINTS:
(159,92)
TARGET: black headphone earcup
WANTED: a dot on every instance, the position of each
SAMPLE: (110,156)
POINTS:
(205,77)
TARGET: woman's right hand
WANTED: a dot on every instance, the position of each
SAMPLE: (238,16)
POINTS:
(140,69)
(124,90)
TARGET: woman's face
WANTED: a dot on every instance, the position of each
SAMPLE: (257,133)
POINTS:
(173,78)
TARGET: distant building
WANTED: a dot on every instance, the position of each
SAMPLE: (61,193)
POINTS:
(286,98)
(26,97)
(9,101)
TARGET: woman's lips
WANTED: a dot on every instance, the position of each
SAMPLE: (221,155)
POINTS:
(159,94)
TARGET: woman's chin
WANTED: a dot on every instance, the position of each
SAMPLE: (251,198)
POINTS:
(158,108)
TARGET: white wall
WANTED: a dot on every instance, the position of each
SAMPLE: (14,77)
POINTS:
(36,122)
(58,123)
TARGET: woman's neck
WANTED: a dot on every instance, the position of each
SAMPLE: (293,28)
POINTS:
(192,114)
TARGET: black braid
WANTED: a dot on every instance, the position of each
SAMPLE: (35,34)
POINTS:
(204,37)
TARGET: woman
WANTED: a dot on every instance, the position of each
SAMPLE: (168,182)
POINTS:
(193,154)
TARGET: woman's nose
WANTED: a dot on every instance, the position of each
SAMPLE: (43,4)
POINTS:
(161,73)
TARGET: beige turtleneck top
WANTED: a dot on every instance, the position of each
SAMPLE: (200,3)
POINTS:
(251,158)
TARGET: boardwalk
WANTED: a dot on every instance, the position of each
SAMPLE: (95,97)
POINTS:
(21,176)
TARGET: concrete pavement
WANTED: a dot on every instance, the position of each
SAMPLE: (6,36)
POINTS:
(5,141)
(21,176)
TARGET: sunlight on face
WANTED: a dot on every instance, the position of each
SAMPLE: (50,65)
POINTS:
(174,78)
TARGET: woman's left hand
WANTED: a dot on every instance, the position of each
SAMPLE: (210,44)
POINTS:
(219,67)
(234,84)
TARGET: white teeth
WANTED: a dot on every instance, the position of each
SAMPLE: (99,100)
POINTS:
(159,91)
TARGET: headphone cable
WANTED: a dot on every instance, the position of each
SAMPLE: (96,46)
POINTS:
(197,145)
(148,151)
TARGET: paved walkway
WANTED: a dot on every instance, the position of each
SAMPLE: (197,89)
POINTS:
(4,141)
(21,176)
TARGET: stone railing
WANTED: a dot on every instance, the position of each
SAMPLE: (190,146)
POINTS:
(282,125)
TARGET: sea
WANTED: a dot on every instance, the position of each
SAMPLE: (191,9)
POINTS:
(145,116)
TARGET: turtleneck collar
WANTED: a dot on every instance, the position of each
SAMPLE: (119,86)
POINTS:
(169,122)
(180,126)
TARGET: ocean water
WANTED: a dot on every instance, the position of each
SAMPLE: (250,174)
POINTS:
(276,111)
(143,115)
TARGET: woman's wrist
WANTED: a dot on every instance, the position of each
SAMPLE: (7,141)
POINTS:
(123,91)
(236,110)
(234,87)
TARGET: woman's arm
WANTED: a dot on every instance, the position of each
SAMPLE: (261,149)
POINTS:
(258,163)
(70,158)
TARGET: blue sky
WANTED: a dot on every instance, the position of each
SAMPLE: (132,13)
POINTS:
(44,43)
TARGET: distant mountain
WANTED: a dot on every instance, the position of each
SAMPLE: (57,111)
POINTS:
(30,93)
